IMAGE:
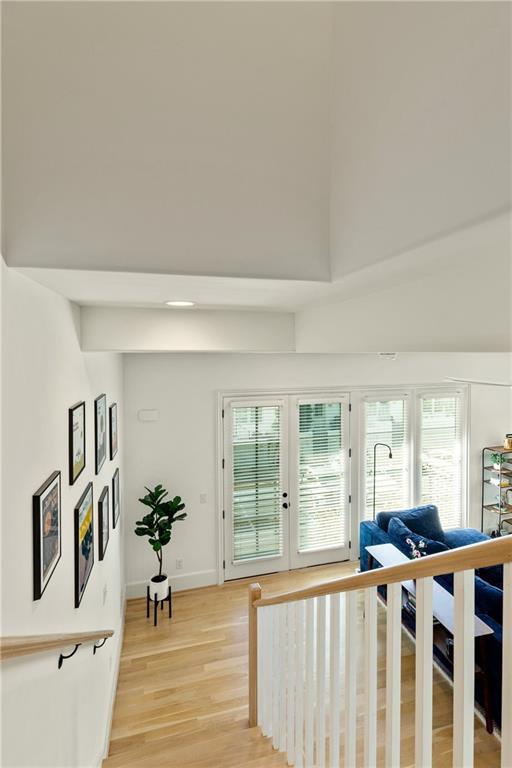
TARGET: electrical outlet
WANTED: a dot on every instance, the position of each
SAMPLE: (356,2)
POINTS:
(202,498)
(179,563)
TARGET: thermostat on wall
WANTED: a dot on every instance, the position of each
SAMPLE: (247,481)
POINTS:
(148,415)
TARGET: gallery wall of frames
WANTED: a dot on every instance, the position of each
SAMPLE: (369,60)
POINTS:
(47,500)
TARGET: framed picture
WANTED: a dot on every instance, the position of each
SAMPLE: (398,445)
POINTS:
(46,511)
(112,420)
(103,522)
(100,430)
(84,542)
(76,441)
(116,503)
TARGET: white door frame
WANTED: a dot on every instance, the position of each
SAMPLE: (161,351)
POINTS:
(244,570)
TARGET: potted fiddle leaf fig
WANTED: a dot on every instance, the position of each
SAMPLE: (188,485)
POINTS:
(157,526)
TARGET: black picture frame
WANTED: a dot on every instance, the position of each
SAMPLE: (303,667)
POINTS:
(46,500)
(100,431)
(113,430)
(116,500)
(74,441)
(103,522)
(84,541)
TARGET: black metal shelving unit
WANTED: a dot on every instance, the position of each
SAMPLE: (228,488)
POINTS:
(496,481)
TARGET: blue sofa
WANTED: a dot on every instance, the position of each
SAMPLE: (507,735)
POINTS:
(421,527)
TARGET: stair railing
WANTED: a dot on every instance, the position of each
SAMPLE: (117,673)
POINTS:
(295,664)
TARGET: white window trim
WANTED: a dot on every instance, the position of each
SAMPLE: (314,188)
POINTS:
(356,394)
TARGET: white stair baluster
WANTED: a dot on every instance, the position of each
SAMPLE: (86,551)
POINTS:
(309,704)
(321,671)
(393,674)
(506,704)
(464,670)
(268,641)
(335,684)
(300,608)
(262,629)
(276,683)
(290,729)
(424,662)
(350,678)
(282,677)
(370,694)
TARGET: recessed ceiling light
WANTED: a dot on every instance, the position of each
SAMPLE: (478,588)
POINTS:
(180,303)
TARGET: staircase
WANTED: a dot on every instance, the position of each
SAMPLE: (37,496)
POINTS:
(314,677)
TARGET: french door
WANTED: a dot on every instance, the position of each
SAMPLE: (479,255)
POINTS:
(286,483)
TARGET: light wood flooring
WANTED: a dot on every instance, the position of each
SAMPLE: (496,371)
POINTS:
(182,693)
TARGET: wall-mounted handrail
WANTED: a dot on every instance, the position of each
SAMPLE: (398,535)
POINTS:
(481,555)
(11,647)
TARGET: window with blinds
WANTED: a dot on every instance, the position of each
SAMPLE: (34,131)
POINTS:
(386,421)
(442,455)
(256,482)
(321,481)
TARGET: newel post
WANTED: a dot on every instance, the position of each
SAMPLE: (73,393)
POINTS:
(254,594)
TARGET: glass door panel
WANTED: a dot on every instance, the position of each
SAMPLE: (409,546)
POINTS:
(319,512)
(256,527)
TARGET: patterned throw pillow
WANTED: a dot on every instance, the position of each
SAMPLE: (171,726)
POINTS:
(412,544)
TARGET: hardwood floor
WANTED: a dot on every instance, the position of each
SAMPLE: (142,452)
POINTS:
(182,693)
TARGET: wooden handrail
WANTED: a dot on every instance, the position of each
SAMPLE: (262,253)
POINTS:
(10,647)
(485,553)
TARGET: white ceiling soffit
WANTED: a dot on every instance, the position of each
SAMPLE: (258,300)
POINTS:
(462,251)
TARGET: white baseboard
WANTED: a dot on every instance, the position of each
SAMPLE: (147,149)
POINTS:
(178,583)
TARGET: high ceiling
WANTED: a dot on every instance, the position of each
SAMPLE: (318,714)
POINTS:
(266,156)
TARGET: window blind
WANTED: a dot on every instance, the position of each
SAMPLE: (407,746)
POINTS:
(256,494)
(322,482)
(442,456)
(386,421)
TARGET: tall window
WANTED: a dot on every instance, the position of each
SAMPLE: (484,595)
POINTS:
(386,421)
(441,471)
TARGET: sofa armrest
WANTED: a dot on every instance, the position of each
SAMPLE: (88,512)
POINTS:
(369,534)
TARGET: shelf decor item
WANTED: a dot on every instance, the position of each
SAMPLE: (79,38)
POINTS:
(116,501)
(112,421)
(496,494)
(76,450)
(100,431)
(84,542)
(46,512)
(103,522)
(157,526)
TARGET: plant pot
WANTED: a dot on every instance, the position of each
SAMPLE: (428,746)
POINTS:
(497,467)
(160,586)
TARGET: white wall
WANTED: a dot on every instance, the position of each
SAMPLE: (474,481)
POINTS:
(168,137)
(178,330)
(49,717)
(421,113)
(179,449)
(450,295)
